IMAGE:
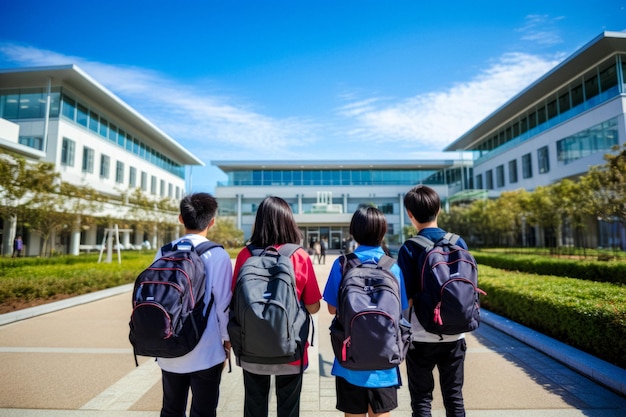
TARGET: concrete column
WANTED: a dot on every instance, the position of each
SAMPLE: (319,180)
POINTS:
(8,234)
(75,237)
(239,214)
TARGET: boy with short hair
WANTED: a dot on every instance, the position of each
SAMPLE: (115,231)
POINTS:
(201,369)
(446,352)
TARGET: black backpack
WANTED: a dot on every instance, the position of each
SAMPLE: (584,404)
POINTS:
(268,322)
(447,301)
(167,320)
(369,331)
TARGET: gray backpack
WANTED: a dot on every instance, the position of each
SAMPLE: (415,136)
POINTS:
(369,331)
(268,323)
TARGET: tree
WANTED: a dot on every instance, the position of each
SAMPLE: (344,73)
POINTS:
(226,233)
(23,185)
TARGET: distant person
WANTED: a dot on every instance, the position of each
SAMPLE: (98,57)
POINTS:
(275,226)
(446,352)
(201,369)
(317,250)
(323,248)
(18,246)
(372,393)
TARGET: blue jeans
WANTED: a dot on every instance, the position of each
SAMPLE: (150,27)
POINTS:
(449,359)
(256,403)
(205,390)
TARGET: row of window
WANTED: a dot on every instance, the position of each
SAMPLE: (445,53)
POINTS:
(30,103)
(160,188)
(341,177)
(600,83)
(599,138)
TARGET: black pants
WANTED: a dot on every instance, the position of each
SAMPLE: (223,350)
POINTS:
(256,403)
(205,390)
(449,359)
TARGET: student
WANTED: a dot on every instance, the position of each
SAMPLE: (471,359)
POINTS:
(360,393)
(274,226)
(18,246)
(446,352)
(201,369)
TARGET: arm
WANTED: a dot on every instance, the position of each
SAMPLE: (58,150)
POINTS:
(220,273)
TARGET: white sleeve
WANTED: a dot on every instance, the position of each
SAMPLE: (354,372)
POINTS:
(219,269)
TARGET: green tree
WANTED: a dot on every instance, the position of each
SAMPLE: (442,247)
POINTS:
(226,233)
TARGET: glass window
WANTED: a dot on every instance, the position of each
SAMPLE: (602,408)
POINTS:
(527,166)
(88,159)
(112,133)
(153,184)
(479,182)
(608,78)
(69,108)
(513,171)
(552,109)
(82,115)
(500,176)
(543,160)
(532,120)
(577,95)
(119,172)
(144,181)
(489,179)
(105,166)
(121,137)
(104,128)
(35,142)
(67,152)
(93,121)
(592,88)
(541,115)
(564,103)
(132,177)
(162,188)
(55,97)
(9,104)
(32,104)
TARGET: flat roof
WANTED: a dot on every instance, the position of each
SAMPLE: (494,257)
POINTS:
(229,166)
(600,48)
(75,78)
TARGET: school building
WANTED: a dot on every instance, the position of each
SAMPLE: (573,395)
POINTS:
(63,116)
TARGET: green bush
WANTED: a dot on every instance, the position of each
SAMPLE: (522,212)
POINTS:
(590,316)
(592,270)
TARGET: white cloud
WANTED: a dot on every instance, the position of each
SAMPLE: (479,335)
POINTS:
(207,124)
(432,120)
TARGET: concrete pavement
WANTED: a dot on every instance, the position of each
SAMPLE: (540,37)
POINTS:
(73,358)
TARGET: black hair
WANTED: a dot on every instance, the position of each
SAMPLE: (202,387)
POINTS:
(197,210)
(368,226)
(423,203)
(274,224)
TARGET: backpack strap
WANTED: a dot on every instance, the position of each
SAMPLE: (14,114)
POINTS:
(200,249)
(288,249)
(423,242)
(451,237)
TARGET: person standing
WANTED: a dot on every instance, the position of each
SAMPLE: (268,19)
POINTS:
(364,392)
(275,226)
(18,246)
(323,248)
(446,352)
(201,369)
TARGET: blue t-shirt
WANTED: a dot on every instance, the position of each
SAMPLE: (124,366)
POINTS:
(375,378)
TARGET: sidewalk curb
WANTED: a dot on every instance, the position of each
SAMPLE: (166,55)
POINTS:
(62,304)
(599,371)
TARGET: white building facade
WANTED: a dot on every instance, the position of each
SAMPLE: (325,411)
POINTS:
(63,116)
(324,195)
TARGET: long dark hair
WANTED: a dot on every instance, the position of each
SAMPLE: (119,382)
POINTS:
(274,224)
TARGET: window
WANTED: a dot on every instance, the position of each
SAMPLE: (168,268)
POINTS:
(489,179)
(564,103)
(144,181)
(153,184)
(105,162)
(513,171)
(591,87)
(88,155)
(93,122)
(34,142)
(527,166)
(543,160)
(67,152)
(162,188)
(119,172)
(500,176)
(479,182)
(82,115)
(608,78)
(132,177)
(69,108)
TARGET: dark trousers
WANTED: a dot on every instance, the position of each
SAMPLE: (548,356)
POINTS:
(205,391)
(449,359)
(257,388)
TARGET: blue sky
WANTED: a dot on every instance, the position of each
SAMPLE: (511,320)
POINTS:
(304,80)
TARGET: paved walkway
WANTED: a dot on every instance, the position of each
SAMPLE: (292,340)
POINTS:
(73,359)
